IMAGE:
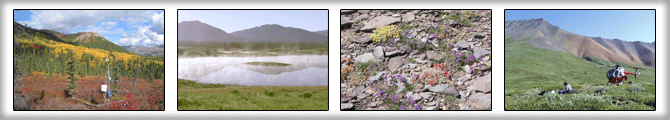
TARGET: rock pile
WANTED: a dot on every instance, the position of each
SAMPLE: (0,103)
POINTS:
(441,61)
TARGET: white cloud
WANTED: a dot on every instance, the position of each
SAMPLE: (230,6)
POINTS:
(158,22)
(109,24)
(143,36)
(148,24)
(104,28)
(66,21)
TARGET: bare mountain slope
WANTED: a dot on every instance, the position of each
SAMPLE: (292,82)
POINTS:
(196,31)
(322,32)
(548,36)
(277,33)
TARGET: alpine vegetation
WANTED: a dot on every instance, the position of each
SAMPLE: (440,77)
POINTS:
(415,60)
(549,68)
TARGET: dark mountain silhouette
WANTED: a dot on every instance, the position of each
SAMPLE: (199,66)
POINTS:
(545,35)
(277,33)
(196,31)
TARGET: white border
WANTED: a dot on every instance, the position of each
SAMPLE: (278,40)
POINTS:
(171,7)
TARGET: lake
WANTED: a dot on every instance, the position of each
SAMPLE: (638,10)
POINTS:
(304,70)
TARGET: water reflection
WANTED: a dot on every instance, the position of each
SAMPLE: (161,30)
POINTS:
(305,70)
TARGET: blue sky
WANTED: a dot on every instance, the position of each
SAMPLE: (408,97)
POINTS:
(628,25)
(235,20)
(123,27)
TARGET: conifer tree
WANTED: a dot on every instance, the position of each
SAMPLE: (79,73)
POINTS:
(72,79)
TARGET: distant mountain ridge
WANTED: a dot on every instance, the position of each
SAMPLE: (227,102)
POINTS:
(201,32)
(548,36)
(277,33)
(145,50)
(322,32)
(197,31)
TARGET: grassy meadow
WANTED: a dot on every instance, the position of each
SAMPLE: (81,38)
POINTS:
(198,96)
(528,70)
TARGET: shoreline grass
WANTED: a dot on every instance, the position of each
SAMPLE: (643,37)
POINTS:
(204,49)
(199,96)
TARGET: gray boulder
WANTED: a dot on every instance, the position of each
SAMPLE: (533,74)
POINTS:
(482,84)
(479,52)
(480,101)
(434,56)
(346,106)
(345,22)
(362,17)
(396,63)
(408,17)
(379,52)
(365,57)
(379,21)
(462,44)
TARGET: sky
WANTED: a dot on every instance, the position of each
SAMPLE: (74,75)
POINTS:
(122,27)
(236,20)
(628,25)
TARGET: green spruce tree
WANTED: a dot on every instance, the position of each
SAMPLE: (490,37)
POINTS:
(114,73)
(72,79)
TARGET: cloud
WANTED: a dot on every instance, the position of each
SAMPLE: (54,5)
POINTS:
(147,35)
(158,23)
(109,24)
(144,36)
(66,21)
(140,27)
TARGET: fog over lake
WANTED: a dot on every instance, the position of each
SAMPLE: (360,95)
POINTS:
(304,70)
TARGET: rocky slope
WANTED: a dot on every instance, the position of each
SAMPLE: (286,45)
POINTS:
(439,61)
(546,35)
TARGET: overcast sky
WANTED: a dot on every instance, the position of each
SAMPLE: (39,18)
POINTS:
(122,27)
(236,20)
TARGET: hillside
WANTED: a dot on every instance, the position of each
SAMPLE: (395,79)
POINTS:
(548,36)
(21,31)
(530,69)
(322,32)
(42,51)
(277,33)
(196,31)
(87,39)
(639,51)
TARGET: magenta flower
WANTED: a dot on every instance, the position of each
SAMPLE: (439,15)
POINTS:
(394,98)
